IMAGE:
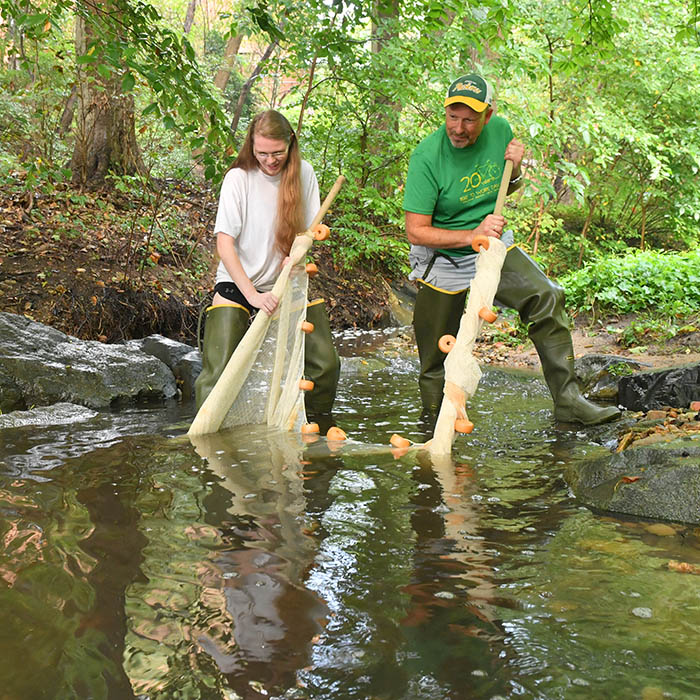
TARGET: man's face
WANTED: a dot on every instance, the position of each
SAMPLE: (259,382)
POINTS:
(464,124)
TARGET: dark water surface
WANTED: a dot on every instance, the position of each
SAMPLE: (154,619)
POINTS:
(254,565)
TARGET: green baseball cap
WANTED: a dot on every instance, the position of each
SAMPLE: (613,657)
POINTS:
(471,90)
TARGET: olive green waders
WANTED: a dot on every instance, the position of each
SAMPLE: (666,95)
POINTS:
(435,313)
(321,366)
(226,325)
(540,303)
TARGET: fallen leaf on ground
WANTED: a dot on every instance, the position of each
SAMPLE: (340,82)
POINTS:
(683,567)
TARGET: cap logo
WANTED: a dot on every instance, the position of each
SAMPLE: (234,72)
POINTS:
(466,86)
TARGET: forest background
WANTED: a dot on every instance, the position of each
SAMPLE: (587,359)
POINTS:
(118,119)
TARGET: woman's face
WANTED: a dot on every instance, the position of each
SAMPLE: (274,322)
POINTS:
(271,154)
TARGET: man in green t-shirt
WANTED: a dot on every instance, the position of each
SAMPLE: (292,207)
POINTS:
(453,180)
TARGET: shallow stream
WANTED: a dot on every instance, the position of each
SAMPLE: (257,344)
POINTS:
(254,565)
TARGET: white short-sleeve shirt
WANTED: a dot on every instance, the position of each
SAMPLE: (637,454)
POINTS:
(248,212)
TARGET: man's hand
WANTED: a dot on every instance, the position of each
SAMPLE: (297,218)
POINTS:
(515,151)
(492,226)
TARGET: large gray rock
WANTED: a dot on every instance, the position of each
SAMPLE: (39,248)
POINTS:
(183,360)
(668,487)
(40,366)
(167,350)
(599,375)
(655,389)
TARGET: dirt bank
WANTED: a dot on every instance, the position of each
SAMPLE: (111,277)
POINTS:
(105,266)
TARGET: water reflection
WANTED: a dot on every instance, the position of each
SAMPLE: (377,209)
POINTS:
(259,565)
(240,613)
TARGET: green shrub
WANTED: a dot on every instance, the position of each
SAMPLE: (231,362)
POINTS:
(665,283)
(367,230)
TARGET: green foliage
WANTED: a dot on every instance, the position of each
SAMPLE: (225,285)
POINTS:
(509,330)
(600,100)
(667,283)
(361,235)
(646,329)
(133,42)
(557,232)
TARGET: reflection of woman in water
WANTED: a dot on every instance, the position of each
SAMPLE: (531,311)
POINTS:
(269,195)
(255,577)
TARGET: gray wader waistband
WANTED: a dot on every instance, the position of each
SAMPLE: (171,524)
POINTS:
(451,273)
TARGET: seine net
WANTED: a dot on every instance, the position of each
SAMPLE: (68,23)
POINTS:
(270,392)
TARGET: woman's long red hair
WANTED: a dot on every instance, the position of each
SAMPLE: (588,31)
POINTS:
(290,206)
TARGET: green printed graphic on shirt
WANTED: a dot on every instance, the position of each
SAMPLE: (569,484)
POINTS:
(458,187)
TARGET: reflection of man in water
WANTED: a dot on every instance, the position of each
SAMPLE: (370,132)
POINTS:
(450,625)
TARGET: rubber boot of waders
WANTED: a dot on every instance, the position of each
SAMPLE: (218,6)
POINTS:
(321,366)
(224,327)
(540,303)
(436,312)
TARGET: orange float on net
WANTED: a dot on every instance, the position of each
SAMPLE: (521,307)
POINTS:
(398,441)
(463,425)
(307,326)
(489,315)
(446,343)
(321,232)
(480,242)
(399,452)
(306,385)
(311,269)
(336,433)
(310,428)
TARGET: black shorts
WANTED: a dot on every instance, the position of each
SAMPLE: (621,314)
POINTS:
(230,291)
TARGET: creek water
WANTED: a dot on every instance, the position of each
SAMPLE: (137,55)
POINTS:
(252,564)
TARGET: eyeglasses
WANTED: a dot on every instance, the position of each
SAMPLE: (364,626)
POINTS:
(277,155)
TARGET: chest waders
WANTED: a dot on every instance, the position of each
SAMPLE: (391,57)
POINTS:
(540,303)
(226,325)
(435,313)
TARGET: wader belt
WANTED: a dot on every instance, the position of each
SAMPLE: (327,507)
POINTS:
(437,254)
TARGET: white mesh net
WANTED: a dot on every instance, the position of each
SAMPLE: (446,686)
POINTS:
(270,393)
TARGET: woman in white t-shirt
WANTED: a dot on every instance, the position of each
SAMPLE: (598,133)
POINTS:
(269,195)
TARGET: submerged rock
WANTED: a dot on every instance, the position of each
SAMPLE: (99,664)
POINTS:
(40,366)
(58,414)
(660,482)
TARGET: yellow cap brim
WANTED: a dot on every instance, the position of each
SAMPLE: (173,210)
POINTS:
(476,105)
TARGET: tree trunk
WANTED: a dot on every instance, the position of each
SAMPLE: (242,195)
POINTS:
(385,117)
(305,99)
(584,231)
(68,111)
(189,16)
(245,90)
(230,53)
(105,134)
